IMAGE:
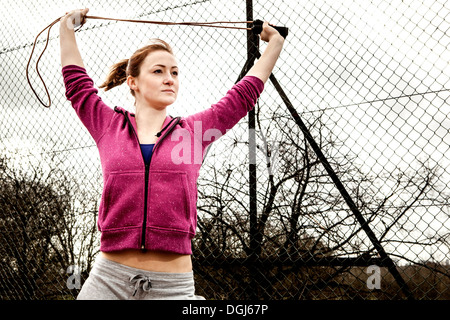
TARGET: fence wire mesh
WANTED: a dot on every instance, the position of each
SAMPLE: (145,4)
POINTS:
(369,79)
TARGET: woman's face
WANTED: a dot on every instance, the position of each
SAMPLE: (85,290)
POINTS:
(157,84)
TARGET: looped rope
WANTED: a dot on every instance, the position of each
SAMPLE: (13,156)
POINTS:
(141,281)
(37,63)
(49,27)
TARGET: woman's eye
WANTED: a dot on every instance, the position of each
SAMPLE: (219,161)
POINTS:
(157,71)
(175,73)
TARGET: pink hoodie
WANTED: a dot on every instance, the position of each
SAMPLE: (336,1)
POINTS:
(152,207)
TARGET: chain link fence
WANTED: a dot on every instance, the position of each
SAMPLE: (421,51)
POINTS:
(335,187)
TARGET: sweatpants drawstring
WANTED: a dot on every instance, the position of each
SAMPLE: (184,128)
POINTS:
(141,280)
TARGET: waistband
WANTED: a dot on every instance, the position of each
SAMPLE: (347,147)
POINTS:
(159,283)
(115,269)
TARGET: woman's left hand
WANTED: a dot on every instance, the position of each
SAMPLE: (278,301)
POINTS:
(269,32)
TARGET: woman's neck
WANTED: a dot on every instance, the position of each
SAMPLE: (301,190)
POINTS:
(149,122)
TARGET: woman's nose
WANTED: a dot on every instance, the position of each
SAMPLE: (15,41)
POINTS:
(169,79)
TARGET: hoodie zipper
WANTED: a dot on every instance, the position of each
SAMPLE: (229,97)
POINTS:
(147,170)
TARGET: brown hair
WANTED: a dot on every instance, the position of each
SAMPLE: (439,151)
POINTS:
(131,67)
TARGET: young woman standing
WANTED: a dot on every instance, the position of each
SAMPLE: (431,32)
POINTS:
(147,214)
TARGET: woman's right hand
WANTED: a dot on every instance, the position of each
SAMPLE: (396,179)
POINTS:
(74,18)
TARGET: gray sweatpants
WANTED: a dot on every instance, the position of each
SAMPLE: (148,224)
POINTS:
(109,280)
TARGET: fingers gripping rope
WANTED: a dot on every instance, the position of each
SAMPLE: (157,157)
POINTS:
(256,27)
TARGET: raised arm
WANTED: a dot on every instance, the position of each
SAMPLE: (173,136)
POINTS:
(265,64)
(70,54)
(224,114)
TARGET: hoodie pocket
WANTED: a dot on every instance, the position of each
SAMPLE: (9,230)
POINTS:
(169,201)
(122,201)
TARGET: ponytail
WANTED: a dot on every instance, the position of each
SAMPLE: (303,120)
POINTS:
(131,67)
(117,75)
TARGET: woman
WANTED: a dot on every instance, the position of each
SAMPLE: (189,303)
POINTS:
(147,214)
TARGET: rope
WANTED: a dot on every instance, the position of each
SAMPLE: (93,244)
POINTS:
(256,27)
(37,63)
(200,24)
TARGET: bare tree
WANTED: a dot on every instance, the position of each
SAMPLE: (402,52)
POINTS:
(302,221)
(42,216)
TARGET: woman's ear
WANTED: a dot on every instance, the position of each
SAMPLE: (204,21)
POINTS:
(131,81)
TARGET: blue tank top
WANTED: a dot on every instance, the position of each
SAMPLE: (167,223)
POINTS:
(147,150)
